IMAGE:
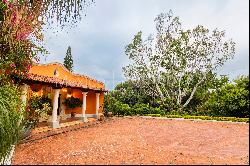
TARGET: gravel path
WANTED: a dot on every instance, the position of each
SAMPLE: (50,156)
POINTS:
(142,141)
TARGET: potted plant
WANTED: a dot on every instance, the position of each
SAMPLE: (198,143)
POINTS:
(72,103)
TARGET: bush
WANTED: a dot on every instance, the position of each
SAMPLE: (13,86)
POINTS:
(141,109)
(230,100)
(37,106)
(37,102)
(110,105)
(10,118)
(233,119)
(121,109)
(157,110)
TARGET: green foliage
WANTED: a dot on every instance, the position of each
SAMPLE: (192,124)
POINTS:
(141,109)
(10,117)
(37,106)
(115,106)
(120,109)
(230,100)
(212,82)
(72,102)
(233,119)
(216,97)
(68,60)
(128,92)
(37,102)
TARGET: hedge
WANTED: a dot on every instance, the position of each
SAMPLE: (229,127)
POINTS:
(233,119)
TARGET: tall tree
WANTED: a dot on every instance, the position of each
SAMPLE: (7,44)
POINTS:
(175,62)
(68,60)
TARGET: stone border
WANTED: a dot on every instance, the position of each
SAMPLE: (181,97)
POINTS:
(53,132)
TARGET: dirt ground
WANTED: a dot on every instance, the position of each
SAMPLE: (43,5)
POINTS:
(139,140)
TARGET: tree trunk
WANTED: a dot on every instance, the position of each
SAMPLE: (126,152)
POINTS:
(194,90)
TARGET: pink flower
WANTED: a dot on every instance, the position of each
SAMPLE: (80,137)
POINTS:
(28,67)
(12,65)
(14,18)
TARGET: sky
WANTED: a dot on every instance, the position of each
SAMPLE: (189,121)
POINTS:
(98,41)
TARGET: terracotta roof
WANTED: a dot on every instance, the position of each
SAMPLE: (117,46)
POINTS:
(45,73)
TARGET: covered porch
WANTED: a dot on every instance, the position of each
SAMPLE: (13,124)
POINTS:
(62,85)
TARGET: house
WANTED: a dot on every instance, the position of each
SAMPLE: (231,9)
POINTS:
(58,83)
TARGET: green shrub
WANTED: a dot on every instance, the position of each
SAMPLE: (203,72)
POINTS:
(233,119)
(10,117)
(124,109)
(230,100)
(173,116)
(36,102)
(154,115)
(156,110)
(141,109)
(36,107)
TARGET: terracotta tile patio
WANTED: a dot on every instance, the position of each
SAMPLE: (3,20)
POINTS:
(139,140)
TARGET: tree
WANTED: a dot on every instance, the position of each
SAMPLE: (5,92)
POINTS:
(175,62)
(204,91)
(127,92)
(68,61)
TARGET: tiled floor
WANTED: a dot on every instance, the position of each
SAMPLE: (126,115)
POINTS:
(44,127)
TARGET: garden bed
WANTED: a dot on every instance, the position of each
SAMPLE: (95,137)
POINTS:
(210,118)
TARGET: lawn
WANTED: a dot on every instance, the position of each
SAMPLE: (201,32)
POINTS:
(139,140)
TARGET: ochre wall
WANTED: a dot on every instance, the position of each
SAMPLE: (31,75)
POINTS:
(77,94)
(91,102)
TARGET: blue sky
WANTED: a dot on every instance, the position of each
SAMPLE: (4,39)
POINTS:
(99,39)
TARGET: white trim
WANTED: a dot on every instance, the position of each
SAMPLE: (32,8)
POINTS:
(97,104)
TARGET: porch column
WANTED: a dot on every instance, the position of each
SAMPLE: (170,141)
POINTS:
(97,104)
(84,103)
(24,89)
(54,122)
